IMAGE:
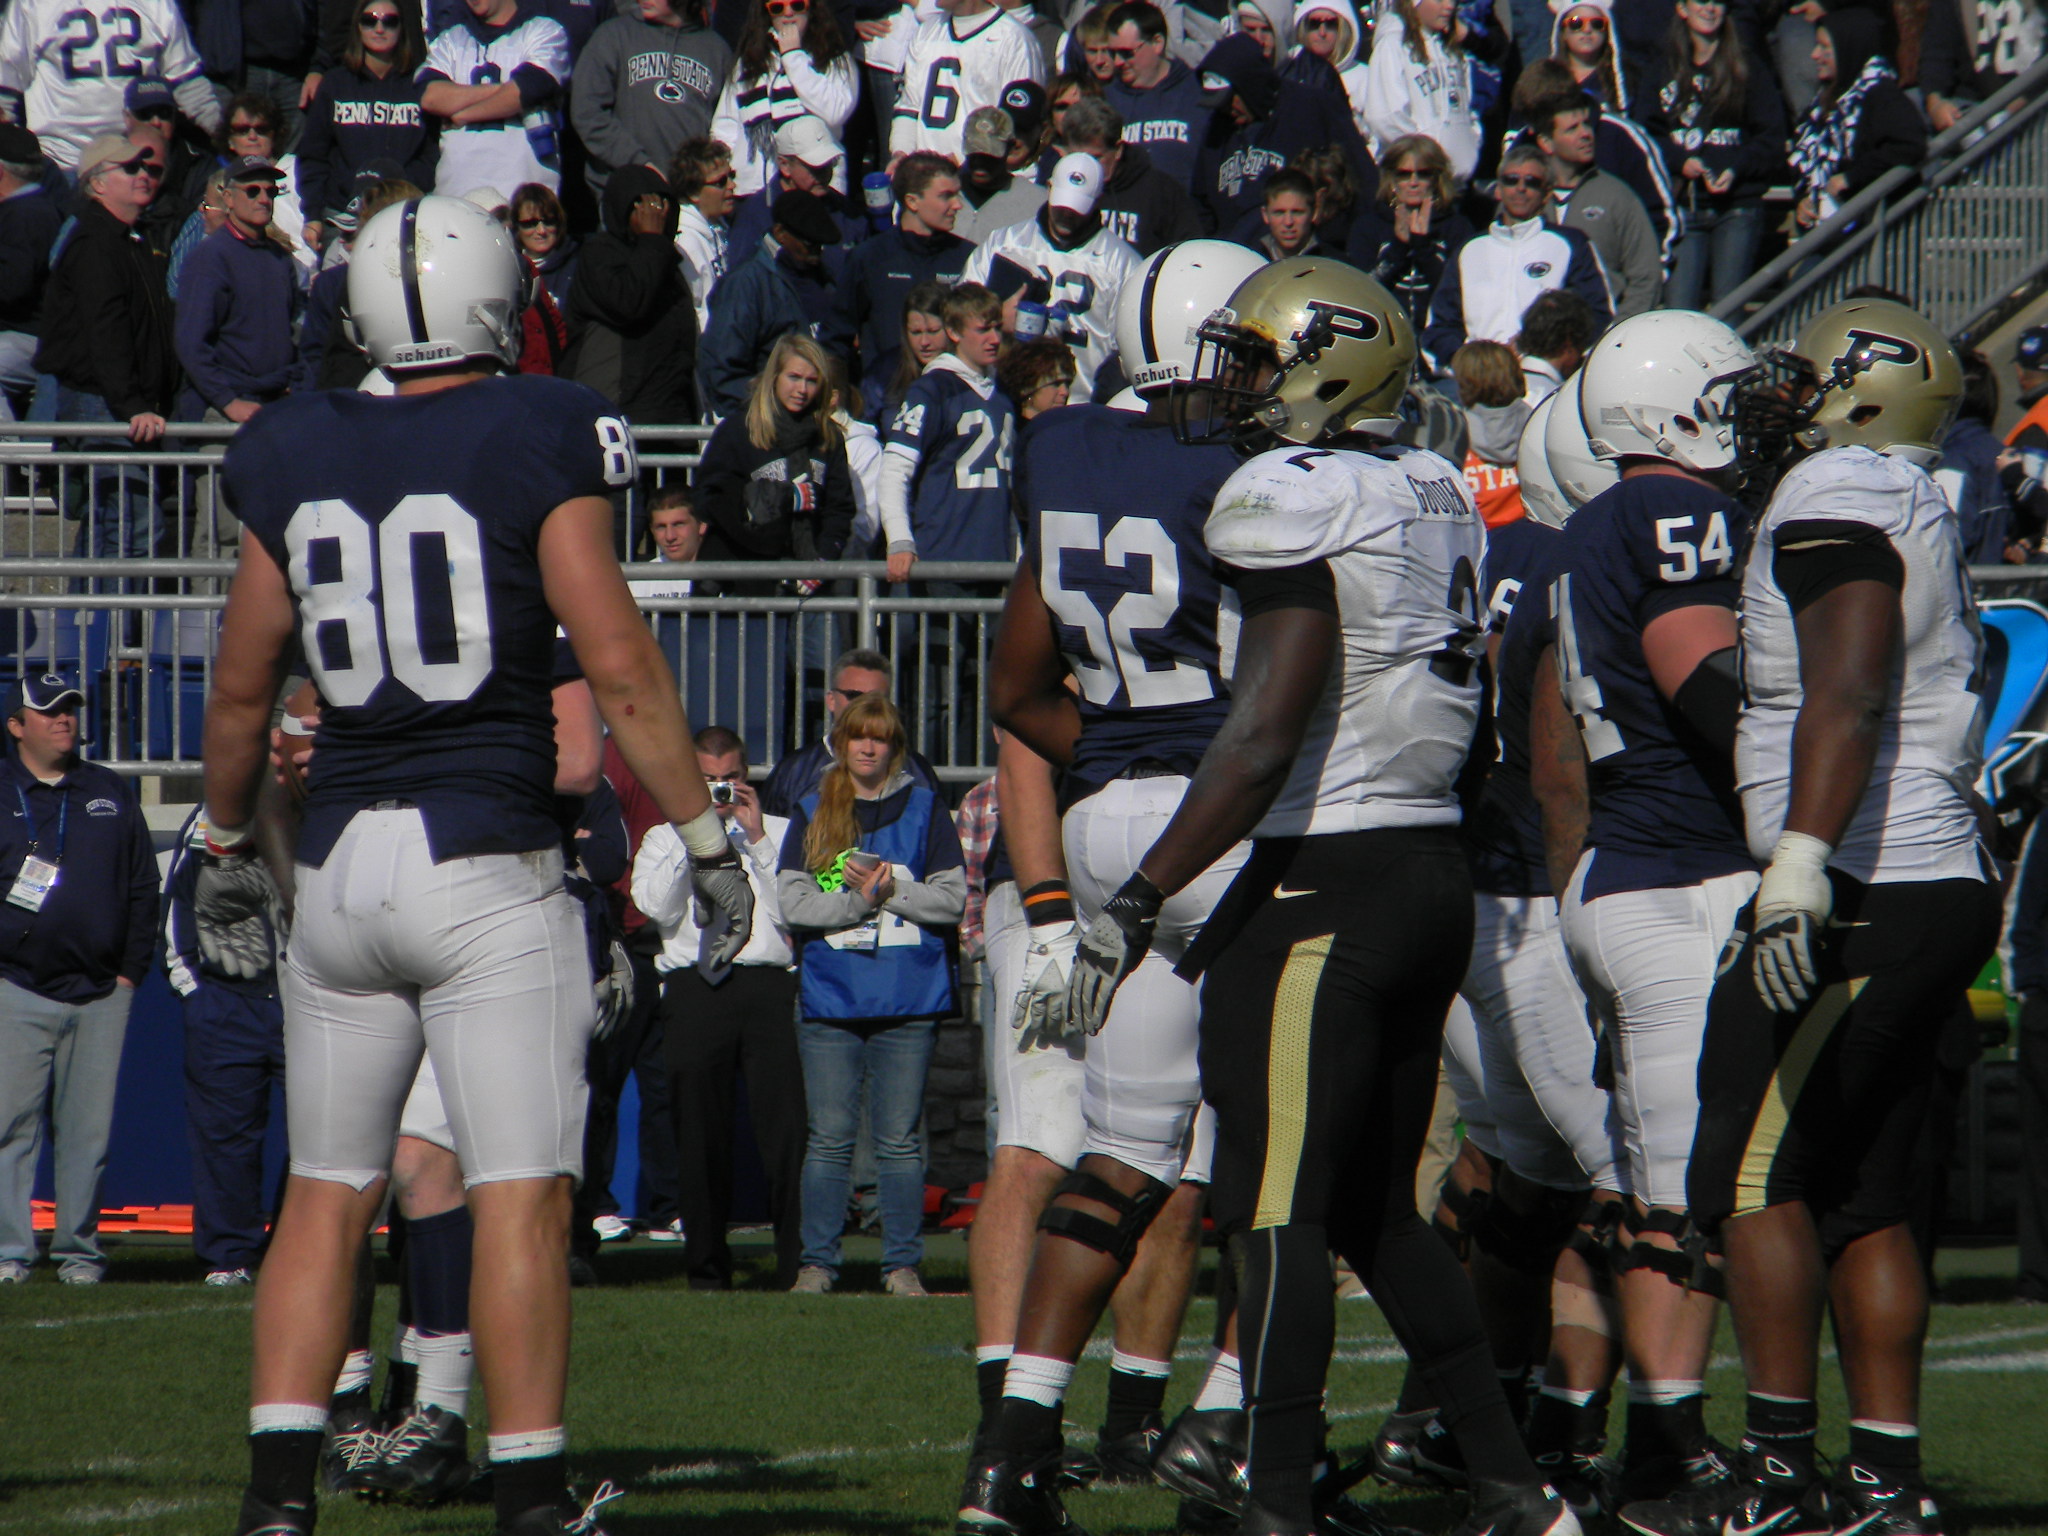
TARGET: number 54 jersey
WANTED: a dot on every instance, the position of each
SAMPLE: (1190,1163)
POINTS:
(408,528)
(1404,548)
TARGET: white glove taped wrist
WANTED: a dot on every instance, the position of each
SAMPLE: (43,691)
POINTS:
(1039,1017)
(1793,903)
(704,835)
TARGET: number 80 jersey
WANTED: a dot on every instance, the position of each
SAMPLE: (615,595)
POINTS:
(1113,512)
(408,528)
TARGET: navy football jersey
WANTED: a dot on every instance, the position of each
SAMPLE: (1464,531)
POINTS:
(960,432)
(408,528)
(1504,833)
(1113,513)
(1664,811)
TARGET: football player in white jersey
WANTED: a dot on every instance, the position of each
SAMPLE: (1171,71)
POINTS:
(1353,638)
(956,65)
(73,63)
(1064,257)
(1861,734)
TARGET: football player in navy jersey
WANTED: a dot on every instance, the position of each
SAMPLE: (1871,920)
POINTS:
(1118,593)
(423,587)
(1351,631)
(1644,608)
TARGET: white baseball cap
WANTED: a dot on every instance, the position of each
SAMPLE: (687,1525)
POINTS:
(807,139)
(1076,183)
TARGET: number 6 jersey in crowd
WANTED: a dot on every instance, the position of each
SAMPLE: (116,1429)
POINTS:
(408,528)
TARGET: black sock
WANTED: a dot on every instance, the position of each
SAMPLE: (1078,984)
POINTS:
(1286,1362)
(1132,1399)
(1416,1396)
(437,1262)
(345,1406)
(1665,1429)
(1021,1427)
(988,1382)
(1558,1425)
(534,1483)
(1514,1386)
(401,1380)
(1782,1429)
(281,1466)
(1894,1456)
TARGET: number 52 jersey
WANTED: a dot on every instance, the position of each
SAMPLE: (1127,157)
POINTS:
(1405,550)
(408,528)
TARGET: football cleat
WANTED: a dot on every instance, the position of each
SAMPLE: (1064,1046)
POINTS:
(1414,1450)
(1666,1477)
(1584,1477)
(1013,1496)
(1763,1495)
(423,1461)
(1201,1457)
(570,1519)
(1345,1516)
(352,1444)
(261,1519)
(1500,1509)
(1866,1503)
(1128,1458)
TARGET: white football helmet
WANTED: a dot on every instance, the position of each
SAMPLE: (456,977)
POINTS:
(1165,301)
(1662,385)
(434,282)
(1570,458)
(1542,501)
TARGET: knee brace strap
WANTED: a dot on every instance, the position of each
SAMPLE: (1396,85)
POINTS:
(1688,1267)
(1597,1237)
(1118,1239)
(1528,1239)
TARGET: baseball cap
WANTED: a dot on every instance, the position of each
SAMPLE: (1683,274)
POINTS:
(18,146)
(807,217)
(1026,102)
(108,149)
(1238,66)
(146,92)
(253,168)
(1076,183)
(2032,351)
(989,131)
(807,139)
(43,691)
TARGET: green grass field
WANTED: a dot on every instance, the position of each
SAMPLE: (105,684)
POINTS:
(122,1408)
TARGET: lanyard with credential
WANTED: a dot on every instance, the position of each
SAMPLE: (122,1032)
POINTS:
(29,821)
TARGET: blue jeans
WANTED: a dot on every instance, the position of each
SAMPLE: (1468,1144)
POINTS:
(17,373)
(892,1062)
(1722,241)
(121,519)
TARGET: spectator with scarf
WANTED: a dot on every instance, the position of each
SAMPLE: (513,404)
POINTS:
(1862,123)
(792,61)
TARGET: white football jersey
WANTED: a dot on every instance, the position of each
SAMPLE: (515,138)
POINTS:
(73,64)
(954,68)
(1914,822)
(1085,282)
(516,150)
(1407,551)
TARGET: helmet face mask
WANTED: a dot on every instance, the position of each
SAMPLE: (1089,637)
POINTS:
(436,283)
(1164,303)
(1665,385)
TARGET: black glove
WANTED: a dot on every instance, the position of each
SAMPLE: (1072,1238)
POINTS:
(721,886)
(1110,950)
(232,901)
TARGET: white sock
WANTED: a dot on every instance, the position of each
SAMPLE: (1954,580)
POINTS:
(1038,1378)
(1886,1427)
(1222,1386)
(529,1446)
(1138,1365)
(445,1363)
(405,1348)
(1568,1395)
(1663,1393)
(275,1418)
(983,1353)
(355,1373)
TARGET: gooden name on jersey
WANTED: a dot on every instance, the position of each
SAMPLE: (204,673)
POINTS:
(408,528)
(1113,517)
(1664,811)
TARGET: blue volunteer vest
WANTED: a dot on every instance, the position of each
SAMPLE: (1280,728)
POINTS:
(908,974)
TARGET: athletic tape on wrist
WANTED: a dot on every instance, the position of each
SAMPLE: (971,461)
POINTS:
(704,835)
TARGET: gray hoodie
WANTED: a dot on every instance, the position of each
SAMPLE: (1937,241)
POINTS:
(641,89)
(1611,217)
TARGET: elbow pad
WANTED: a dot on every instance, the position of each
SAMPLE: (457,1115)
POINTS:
(1711,699)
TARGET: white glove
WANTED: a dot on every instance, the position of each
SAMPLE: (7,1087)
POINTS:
(1793,904)
(233,903)
(1111,949)
(615,992)
(1040,1015)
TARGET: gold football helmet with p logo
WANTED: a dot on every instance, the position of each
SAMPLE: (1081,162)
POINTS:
(1883,377)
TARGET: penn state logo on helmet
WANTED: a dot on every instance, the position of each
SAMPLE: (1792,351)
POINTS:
(1163,304)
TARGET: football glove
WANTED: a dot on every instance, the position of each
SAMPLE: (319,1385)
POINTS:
(615,991)
(1040,1015)
(1793,904)
(720,886)
(1110,950)
(233,899)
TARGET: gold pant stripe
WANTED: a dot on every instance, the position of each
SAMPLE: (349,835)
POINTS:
(1787,1082)
(1294,1008)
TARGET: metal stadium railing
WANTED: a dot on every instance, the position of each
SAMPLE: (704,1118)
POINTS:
(1957,234)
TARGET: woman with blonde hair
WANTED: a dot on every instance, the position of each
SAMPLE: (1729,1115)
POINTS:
(774,483)
(872,888)
(1410,232)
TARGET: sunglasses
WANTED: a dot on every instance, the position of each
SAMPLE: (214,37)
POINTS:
(240,130)
(1320,24)
(156,115)
(1122,54)
(539,221)
(1412,173)
(1523,181)
(378,22)
(726,180)
(143,167)
(1585,24)
(788,7)
(256,188)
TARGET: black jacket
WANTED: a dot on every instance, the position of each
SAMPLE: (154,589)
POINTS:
(1890,131)
(1146,208)
(1234,161)
(1411,269)
(1749,136)
(877,277)
(753,497)
(29,222)
(107,319)
(632,326)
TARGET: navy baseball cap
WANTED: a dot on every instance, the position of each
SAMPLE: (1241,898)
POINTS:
(149,93)
(2032,351)
(253,168)
(1025,101)
(42,692)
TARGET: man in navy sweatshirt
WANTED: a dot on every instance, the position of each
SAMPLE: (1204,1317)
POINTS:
(236,299)
(881,271)
(1159,98)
